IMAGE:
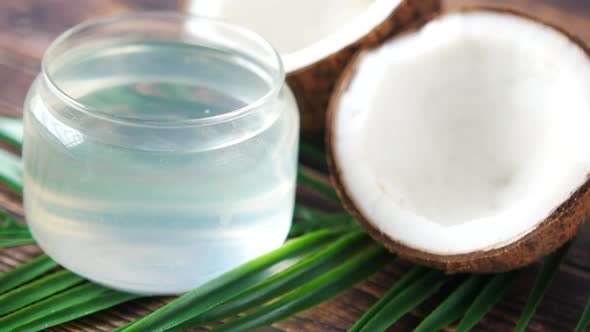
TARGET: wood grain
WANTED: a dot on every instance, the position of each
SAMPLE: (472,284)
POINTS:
(28,26)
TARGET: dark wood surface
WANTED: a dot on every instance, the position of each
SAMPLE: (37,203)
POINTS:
(28,26)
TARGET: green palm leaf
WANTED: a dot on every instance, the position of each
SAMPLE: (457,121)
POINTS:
(406,300)
(329,258)
(308,220)
(488,296)
(226,286)
(7,243)
(26,272)
(70,304)
(313,150)
(11,171)
(454,306)
(104,301)
(410,276)
(317,291)
(308,178)
(9,225)
(585,319)
(37,290)
(12,233)
(11,131)
(548,271)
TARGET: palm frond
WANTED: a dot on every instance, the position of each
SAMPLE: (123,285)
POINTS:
(316,291)
(401,284)
(548,271)
(584,319)
(7,243)
(12,233)
(11,171)
(409,298)
(11,131)
(104,301)
(326,260)
(73,303)
(488,296)
(26,272)
(309,178)
(455,306)
(37,290)
(228,285)
(313,150)
(308,220)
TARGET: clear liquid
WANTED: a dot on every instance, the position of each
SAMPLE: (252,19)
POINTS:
(139,217)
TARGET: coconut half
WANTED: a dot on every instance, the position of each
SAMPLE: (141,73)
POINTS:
(464,145)
(316,38)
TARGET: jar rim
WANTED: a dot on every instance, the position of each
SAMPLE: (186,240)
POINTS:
(278,77)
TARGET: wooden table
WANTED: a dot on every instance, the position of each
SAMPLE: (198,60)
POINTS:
(28,26)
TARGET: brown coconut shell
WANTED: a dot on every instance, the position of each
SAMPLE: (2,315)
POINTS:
(561,225)
(313,85)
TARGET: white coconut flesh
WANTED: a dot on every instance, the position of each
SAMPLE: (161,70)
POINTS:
(467,134)
(303,31)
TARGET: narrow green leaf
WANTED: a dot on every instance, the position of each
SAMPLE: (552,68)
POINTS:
(14,232)
(409,277)
(37,290)
(305,213)
(306,178)
(544,277)
(7,243)
(406,300)
(11,171)
(341,221)
(312,150)
(106,300)
(229,284)
(316,291)
(26,272)
(490,294)
(11,131)
(7,222)
(69,298)
(298,275)
(584,320)
(454,306)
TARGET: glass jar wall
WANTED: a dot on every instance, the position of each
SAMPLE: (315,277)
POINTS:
(159,151)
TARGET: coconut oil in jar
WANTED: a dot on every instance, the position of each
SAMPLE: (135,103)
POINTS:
(159,151)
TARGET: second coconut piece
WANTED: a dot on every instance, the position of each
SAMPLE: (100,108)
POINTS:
(317,38)
(463,145)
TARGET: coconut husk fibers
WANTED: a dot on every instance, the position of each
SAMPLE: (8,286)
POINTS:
(313,85)
(561,225)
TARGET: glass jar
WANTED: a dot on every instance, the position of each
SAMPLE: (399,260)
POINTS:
(160,150)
